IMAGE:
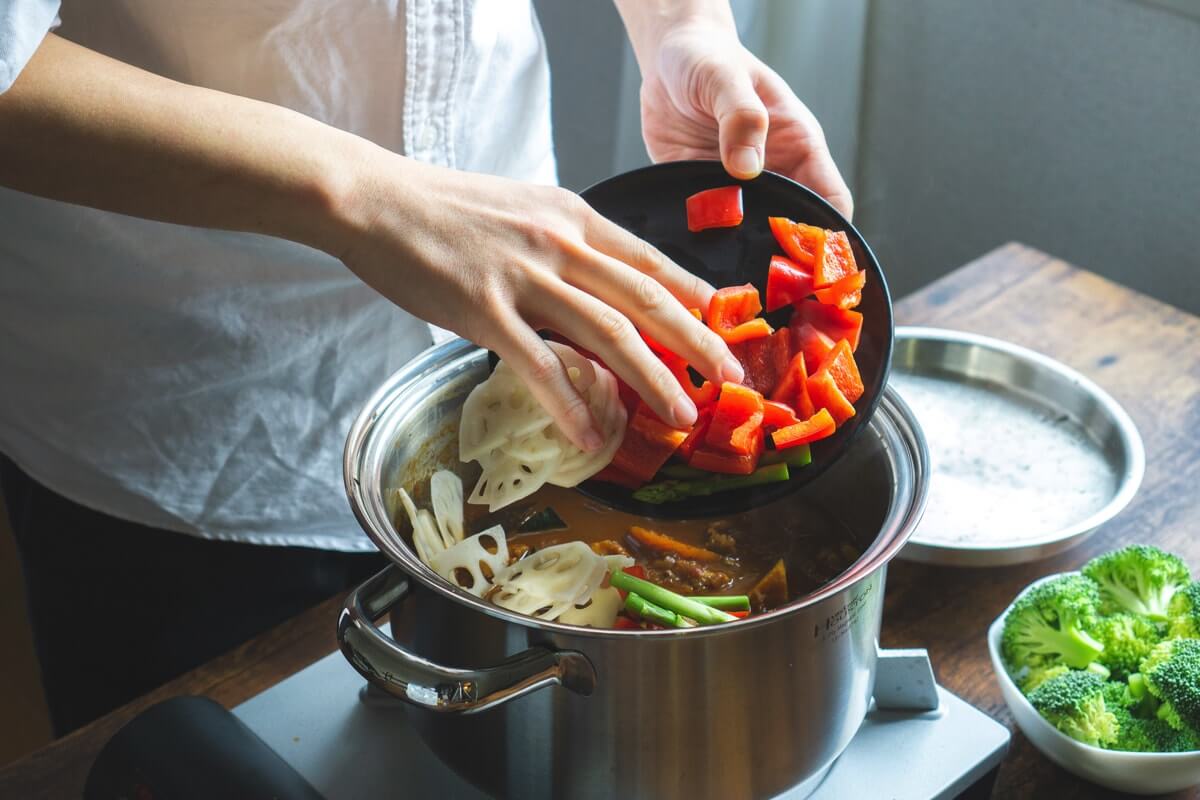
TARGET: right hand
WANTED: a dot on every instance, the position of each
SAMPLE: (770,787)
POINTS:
(496,260)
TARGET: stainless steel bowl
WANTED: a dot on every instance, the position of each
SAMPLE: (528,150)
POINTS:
(526,708)
(1013,434)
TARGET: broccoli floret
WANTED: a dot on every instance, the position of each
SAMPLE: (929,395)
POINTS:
(1185,612)
(1127,639)
(1139,578)
(1036,676)
(1074,703)
(1149,735)
(1172,674)
(1047,625)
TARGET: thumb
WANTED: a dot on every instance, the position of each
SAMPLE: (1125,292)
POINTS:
(741,121)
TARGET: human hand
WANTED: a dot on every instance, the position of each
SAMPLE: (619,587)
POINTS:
(496,260)
(705,96)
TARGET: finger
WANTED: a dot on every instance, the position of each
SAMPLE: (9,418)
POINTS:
(606,332)
(544,373)
(612,240)
(819,172)
(741,120)
(653,310)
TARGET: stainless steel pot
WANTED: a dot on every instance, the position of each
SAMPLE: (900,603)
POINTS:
(529,709)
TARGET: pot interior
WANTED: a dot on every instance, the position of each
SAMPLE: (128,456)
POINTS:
(850,519)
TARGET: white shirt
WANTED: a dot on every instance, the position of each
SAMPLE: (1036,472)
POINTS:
(204,381)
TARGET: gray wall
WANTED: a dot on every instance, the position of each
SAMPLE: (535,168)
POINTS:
(1073,125)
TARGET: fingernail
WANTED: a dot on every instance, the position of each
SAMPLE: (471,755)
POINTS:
(592,441)
(732,371)
(684,411)
(745,161)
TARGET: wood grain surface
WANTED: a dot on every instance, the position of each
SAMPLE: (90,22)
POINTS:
(1145,353)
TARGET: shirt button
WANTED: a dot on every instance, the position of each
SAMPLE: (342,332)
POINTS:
(427,137)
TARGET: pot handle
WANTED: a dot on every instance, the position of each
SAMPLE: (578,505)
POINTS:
(405,675)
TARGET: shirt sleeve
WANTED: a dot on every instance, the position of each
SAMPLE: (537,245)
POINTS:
(23,25)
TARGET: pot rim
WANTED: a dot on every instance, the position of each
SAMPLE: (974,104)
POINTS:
(898,526)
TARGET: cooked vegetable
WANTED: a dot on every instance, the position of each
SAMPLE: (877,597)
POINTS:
(1038,675)
(599,611)
(550,581)
(653,540)
(641,607)
(1172,675)
(463,564)
(715,208)
(1127,639)
(1184,612)
(1138,578)
(1048,624)
(668,599)
(671,491)
(1074,703)
(771,590)
(446,497)
(727,602)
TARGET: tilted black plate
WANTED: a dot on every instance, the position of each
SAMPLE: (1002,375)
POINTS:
(650,203)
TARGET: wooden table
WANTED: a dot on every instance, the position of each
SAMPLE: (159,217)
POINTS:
(1145,353)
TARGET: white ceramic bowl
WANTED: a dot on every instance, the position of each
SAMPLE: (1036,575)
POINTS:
(1136,773)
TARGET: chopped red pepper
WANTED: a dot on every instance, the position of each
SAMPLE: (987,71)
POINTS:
(611,474)
(738,614)
(637,571)
(737,415)
(624,623)
(713,460)
(814,344)
(793,387)
(836,323)
(715,208)
(837,260)
(841,366)
(804,244)
(764,360)
(845,293)
(701,395)
(647,445)
(824,391)
(778,415)
(699,431)
(818,426)
(787,282)
(732,314)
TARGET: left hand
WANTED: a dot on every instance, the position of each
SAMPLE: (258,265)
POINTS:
(704,95)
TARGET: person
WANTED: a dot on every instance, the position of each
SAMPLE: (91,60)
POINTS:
(223,224)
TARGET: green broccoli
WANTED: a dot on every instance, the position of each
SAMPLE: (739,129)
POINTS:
(1074,703)
(1149,735)
(1139,578)
(1172,674)
(1185,612)
(1047,625)
(1036,676)
(1127,639)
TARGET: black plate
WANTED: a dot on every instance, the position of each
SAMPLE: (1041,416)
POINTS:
(650,203)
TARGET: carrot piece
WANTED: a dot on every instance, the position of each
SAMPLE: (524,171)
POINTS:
(654,540)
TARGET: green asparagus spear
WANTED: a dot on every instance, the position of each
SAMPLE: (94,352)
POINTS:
(798,456)
(640,606)
(674,490)
(727,602)
(682,472)
(669,600)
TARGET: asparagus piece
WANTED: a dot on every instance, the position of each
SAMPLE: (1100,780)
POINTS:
(668,599)
(636,604)
(727,602)
(682,472)
(798,456)
(672,491)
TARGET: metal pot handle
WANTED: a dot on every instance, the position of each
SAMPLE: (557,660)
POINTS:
(388,666)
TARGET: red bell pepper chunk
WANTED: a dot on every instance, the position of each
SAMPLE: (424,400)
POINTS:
(845,293)
(793,387)
(647,445)
(841,366)
(818,426)
(804,244)
(637,571)
(611,474)
(699,431)
(732,314)
(626,624)
(787,282)
(737,415)
(825,394)
(836,323)
(777,415)
(764,360)
(814,344)
(738,614)
(702,395)
(715,208)
(837,260)
(713,460)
